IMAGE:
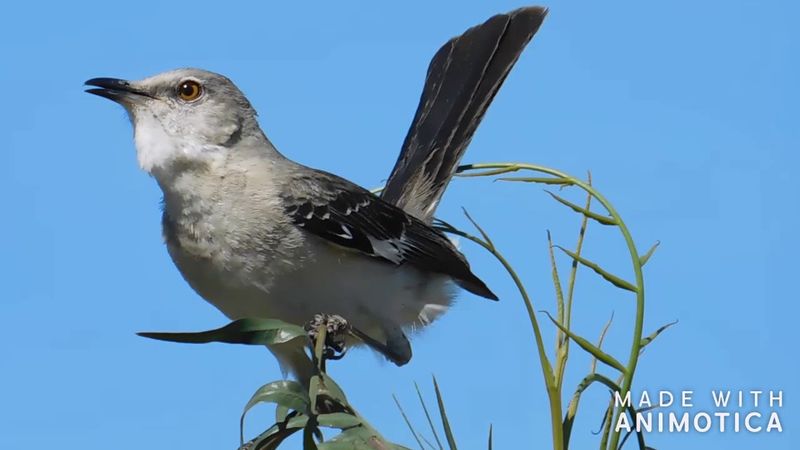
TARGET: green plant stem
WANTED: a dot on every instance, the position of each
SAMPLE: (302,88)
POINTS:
(556,412)
(553,392)
(563,353)
(633,359)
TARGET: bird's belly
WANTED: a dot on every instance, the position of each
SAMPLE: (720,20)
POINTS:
(370,294)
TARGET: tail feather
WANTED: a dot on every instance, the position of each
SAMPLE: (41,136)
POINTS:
(463,78)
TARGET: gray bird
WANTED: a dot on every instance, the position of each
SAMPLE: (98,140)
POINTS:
(259,235)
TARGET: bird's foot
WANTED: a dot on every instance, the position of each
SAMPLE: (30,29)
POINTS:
(397,349)
(336,328)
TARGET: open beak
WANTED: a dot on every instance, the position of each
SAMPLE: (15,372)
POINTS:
(115,89)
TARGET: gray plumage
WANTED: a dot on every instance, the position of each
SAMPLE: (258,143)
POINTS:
(258,235)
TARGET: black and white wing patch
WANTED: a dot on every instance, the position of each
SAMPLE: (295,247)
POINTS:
(352,217)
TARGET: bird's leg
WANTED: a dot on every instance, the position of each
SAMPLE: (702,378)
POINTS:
(335,328)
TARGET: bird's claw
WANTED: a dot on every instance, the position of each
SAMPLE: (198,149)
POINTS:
(336,328)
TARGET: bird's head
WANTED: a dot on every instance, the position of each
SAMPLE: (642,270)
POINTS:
(182,117)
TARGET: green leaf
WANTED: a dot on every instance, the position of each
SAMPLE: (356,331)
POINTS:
(572,408)
(333,389)
(428,416)
(408,422)
(605,426)
(560,340)
(601,339)
(646,257)
(314,388)
(605,220)
(445,423)
(338,420)
(280,413)
(613,279)
(540,180)
(655,334)
(242,331)
(461,171)
(589,347)
(286,393)
(602,379)
(325,386)
(357,438)
(480,230)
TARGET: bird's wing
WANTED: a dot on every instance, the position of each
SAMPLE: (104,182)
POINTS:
(349,216)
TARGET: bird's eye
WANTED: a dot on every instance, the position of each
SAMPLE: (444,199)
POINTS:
(189,90)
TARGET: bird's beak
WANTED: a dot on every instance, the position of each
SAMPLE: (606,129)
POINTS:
(120,91)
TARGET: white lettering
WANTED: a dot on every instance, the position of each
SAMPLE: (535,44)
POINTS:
(722,416)
(721,398)
(686,399)
(747,425)
(619,401)
(774,422)
(675,425)
(641,423)
(645,400)
(661,399)
(773,398)
(622,423)
(705,417)
(756,395)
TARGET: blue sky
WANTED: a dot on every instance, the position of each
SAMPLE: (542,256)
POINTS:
(685,112)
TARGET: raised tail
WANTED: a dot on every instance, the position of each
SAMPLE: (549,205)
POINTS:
(463,78)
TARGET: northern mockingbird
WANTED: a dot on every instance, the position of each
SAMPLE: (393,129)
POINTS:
(259,235)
